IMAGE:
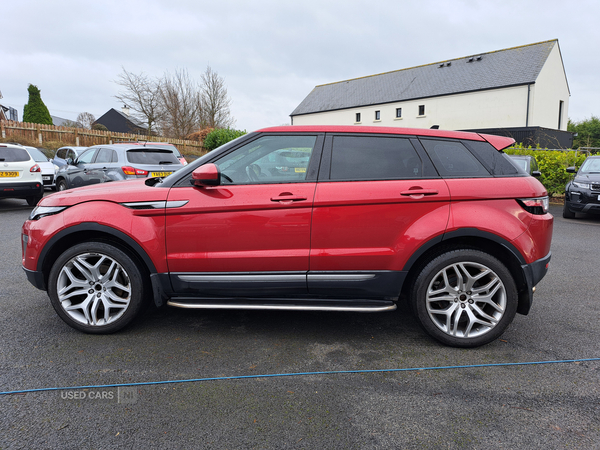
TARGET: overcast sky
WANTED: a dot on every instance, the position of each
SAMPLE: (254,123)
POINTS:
(271,53)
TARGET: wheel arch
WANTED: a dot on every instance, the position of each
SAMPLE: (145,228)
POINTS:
(91,231)
(474,239)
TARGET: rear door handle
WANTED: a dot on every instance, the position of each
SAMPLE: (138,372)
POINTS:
(419,192)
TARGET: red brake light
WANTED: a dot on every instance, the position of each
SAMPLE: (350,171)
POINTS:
(35,168)
(128,170)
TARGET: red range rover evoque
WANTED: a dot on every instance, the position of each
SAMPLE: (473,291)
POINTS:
(328,218)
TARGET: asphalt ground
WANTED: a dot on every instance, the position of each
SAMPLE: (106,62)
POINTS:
(509,406)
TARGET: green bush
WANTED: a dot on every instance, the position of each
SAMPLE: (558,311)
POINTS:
(220,136)
(35,110)
(552,165)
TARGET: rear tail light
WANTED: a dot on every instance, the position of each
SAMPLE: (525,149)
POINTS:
(35,168)
(536,206)
(128,170)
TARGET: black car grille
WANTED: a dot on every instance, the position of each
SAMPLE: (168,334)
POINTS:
(595,186)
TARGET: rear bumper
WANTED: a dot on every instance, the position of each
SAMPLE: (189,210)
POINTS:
(533,273)
(21,190)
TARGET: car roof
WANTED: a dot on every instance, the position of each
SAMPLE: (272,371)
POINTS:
(499,142)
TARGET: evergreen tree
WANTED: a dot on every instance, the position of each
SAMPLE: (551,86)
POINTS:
(35,111)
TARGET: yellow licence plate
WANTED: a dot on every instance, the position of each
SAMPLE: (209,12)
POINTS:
(161,174)
(300,169)
(9,174)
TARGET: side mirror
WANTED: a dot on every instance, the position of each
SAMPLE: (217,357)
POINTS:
(571,169)
(69,161)
(536,173)
(206,175)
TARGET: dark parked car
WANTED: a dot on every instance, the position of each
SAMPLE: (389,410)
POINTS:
(527,163)
(64,153)
(582,194)
(117,162)
(325,218)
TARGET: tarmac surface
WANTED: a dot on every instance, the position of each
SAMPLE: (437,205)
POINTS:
(552,405)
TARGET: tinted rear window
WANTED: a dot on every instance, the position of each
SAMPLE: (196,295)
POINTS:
(9,154)
(151,156)
(496,162)
(452,159)
(374,158)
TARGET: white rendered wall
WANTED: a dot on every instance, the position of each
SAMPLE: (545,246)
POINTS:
(505,107)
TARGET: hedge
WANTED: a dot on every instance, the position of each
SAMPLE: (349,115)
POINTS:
(552,165)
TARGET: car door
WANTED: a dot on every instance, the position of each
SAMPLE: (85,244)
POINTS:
(97,172)
(377,201)
(250,235)
(78,172)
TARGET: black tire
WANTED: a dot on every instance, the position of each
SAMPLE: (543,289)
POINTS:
(101,299)
(61,185)
(567,213)
(449,311)
(32,201)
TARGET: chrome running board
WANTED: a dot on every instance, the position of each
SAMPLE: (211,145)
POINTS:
(285,304)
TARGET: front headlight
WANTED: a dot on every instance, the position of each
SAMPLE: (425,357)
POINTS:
(581,185)
(43,211)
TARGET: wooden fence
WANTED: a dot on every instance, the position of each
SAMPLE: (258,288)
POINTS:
(33,132)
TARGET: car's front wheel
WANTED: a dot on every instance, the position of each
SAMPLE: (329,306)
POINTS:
(61,185)
(96,288)
(465,298)
(567,213)
(33,200)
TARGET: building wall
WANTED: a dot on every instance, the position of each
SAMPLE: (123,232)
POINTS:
(496,108)
(548,91)
(483,109)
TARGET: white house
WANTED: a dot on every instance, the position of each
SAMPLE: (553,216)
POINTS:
(521,92)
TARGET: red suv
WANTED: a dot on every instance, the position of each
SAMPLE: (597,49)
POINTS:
(306,218)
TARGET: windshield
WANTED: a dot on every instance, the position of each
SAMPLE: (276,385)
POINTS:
(590,165)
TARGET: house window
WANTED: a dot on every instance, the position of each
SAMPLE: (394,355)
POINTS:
(357,117)
(421,110)
(398,113)
(377,115)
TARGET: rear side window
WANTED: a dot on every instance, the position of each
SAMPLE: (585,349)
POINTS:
(9,154)
(106,155)
(374,158)
(452,159)
(496,162)
(151,156)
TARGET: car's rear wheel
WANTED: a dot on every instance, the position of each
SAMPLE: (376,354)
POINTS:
(567,213)
(33,200)
(96,288)
(465,298)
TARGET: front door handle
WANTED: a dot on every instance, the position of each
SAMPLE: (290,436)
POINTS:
(287,197)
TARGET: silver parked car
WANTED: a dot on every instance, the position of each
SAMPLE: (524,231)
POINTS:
(116,162)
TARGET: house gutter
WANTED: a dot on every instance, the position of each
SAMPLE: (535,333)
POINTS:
(527,112)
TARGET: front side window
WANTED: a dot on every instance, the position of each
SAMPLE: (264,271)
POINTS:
(269,159)
(373,158)
(87,156)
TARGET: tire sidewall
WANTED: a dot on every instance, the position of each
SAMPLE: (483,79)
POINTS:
(421,285)
(128,265)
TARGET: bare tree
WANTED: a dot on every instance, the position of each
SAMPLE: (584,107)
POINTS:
(215,101)
(86,119)
(181,107)
(142,95)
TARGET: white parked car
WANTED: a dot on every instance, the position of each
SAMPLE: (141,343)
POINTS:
(20,175)
(49,169)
